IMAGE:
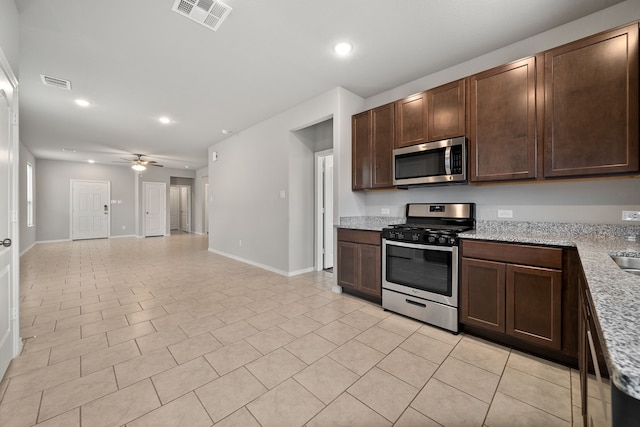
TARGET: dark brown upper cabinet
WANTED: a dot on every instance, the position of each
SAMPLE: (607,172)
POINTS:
(411,120)
(591,105)
(373,133)
(446,111)
(361,151)
(502,122)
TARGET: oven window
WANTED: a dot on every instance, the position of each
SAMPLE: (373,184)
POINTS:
(420,164)
(428,270)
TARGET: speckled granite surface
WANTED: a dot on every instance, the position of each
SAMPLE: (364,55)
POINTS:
(374,223)
(614,292)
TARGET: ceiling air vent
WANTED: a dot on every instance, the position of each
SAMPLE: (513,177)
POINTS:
(210,13)
(55,82)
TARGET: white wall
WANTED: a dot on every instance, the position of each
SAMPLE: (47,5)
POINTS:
(53,196)
(585,200)
(27,234)
(253,167)
(9,33)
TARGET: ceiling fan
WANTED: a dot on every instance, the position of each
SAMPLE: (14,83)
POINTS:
(137,164)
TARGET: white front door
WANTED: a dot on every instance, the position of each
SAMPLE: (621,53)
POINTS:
(174,208)
(90,209)
(9,328)
(185,209)
(206,206)
(155,208)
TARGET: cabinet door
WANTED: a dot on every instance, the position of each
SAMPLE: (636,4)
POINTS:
(482,294)
(411,120)
(591,105)
(361,151)
(502,123)
(446,110)
(348,268)
(369,266)
(534,305)
(383,136)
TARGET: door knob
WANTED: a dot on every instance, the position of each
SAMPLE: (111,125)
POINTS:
(6,243)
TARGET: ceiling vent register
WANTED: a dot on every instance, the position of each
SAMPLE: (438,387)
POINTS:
(210,13)
(55,82)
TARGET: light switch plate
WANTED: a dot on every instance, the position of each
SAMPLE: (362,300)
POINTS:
(505,213)
(385,211)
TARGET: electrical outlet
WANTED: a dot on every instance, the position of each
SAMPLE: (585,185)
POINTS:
(385,211)
(631,215)
(505,213)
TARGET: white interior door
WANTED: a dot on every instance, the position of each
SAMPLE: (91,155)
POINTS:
(90,209)
(155,208)
(174,208)
(9,328)
(328,211)
(185,209)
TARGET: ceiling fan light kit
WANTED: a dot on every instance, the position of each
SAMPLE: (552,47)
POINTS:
(138,167)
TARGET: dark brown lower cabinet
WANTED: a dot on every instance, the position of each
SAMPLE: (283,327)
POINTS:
(359,262)
(514,291)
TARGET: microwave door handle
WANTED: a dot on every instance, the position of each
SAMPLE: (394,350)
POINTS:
(447,161)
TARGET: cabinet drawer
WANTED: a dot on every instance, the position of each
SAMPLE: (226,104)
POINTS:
(359,236)
(513,253)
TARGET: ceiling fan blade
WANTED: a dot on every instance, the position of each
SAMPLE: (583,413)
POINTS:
(119,161)
(156,165)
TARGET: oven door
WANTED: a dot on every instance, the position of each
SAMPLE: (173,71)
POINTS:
(425,271)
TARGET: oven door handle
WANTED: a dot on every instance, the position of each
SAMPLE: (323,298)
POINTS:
(447,160)
(417,246)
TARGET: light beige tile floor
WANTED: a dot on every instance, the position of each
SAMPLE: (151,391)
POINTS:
(161,332)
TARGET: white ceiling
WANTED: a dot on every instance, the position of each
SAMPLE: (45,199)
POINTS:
(136,60)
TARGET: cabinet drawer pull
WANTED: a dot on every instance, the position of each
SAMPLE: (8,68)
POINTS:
(419,304)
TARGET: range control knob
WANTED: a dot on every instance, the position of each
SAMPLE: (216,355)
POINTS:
(415,237)
(431,238)
(442,239)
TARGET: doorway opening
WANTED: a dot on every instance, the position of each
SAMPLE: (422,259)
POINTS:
(180,208)
(311,190)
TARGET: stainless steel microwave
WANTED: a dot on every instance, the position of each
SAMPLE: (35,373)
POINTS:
(439,162)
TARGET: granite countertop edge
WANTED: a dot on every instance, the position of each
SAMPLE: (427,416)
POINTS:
(615,293)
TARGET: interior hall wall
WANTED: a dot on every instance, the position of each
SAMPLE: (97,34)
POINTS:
(27,234)
(53,196)
(9,33)
(248,220)
(586,200)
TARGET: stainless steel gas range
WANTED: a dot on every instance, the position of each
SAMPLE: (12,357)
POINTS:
(420,262)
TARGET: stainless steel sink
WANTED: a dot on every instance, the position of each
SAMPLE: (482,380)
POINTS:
(628,264)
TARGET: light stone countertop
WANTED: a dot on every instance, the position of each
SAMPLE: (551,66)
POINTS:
(614,292)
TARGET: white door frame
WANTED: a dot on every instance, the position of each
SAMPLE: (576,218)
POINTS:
(319,211)
(73,181)
(14,342)
(174,216)
(205,206)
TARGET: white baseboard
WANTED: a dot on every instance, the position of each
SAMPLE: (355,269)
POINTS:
(52,241)
(124,235)
(263,266)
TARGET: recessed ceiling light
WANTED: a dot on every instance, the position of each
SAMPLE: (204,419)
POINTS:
(71,150)
(226,131)
(342,48)
(91,161)
(83,102)
(164,120)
